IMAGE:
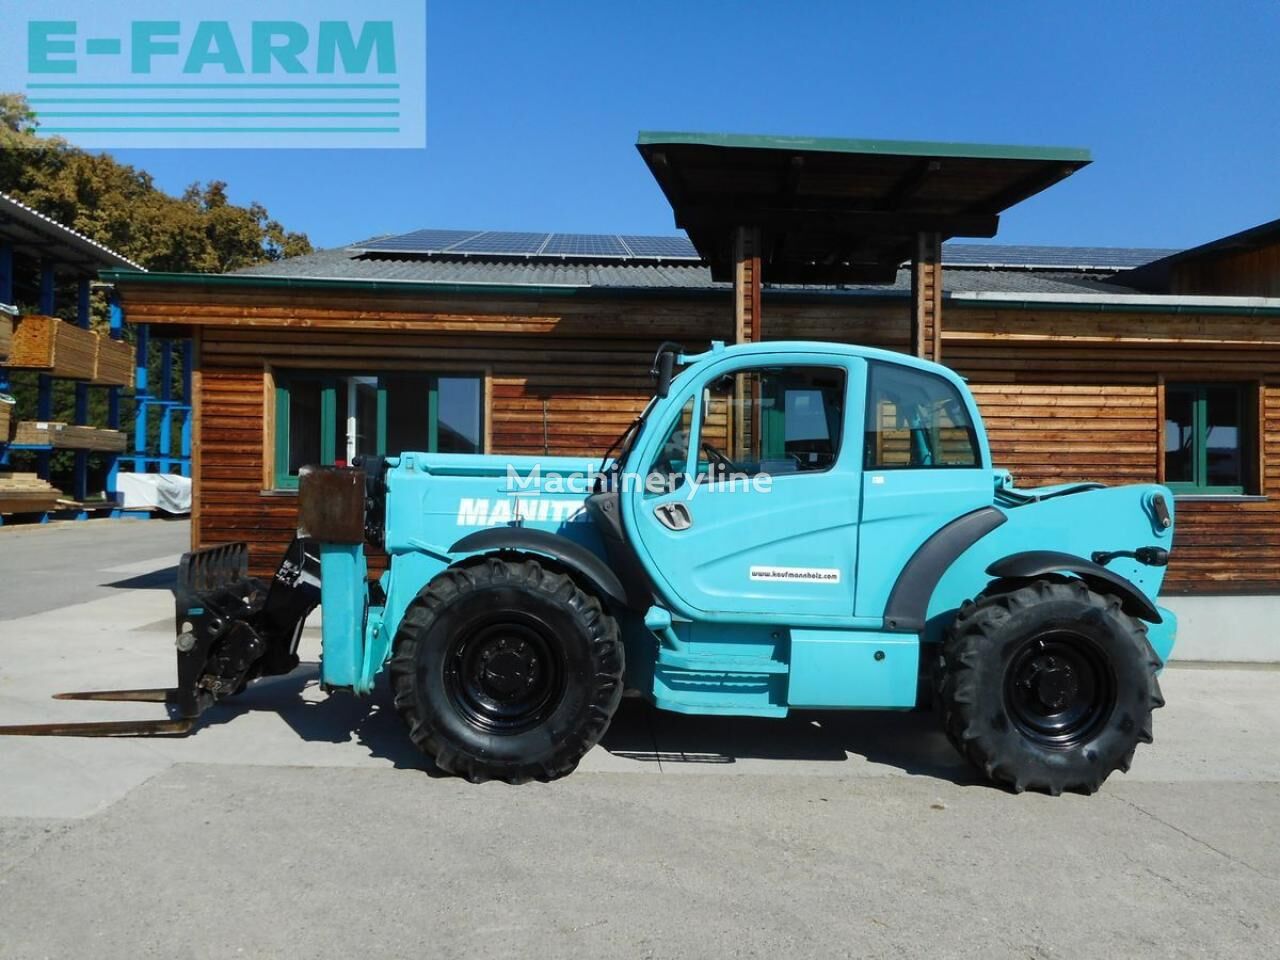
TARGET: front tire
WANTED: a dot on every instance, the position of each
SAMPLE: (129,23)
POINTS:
(1046,685)
(506,670)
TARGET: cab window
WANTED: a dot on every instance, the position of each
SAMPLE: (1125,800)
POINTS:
(669,467)
(774,420)
(916,420)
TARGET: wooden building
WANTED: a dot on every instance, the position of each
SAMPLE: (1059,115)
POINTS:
(1087,363)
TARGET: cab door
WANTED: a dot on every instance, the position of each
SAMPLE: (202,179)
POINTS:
(925,463)
(749,502)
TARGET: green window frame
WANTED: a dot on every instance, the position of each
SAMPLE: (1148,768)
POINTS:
(287,381)
(1195,397)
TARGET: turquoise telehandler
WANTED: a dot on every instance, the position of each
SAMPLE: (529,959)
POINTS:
(787,526)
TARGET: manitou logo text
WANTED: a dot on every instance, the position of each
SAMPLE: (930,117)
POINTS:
(484,512)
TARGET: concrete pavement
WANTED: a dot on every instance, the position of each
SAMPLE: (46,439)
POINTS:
(106,556)
(294,824)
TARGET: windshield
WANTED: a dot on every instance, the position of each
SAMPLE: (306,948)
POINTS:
(626,443)
(633,432)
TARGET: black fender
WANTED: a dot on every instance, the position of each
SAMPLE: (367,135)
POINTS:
(908,604)
(1037,563)
(577,558)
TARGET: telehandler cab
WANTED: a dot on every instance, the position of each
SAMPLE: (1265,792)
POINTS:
(787,526)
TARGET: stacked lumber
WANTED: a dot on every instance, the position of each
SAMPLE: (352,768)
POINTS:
(115,363)
(26,493)
(55,347)
(6,419)
(65,436)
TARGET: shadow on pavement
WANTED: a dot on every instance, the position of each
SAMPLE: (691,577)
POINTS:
(155,580)
(908,741)
(371,721)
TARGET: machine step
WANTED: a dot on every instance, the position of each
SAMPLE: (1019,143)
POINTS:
(718,663)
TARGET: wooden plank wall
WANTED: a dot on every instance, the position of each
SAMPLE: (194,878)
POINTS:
(1060,433)
(1244,273)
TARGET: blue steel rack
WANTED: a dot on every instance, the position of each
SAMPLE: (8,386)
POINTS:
(163,459)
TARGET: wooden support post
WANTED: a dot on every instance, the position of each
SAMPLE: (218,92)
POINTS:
(747,325)
(926,297)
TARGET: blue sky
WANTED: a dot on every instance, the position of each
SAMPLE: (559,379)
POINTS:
(533,110)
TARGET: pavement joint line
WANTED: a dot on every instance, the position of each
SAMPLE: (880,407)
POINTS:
(1194,839)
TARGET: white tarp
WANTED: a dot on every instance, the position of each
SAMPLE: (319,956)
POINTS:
(155,491)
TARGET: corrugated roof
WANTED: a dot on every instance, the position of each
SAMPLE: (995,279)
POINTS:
(26,227)
(348,264)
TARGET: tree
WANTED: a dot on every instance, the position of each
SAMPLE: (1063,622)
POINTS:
(121,207)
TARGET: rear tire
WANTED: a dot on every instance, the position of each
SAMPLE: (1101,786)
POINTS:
(506,670)
(1046,685)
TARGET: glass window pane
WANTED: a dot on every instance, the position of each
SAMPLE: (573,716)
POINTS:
(405,424)
(358,419)
(772,420)
(459,415)
(916,420)
(408,414)
(668,469)
(1224,464)
(304,424)
(1179,436)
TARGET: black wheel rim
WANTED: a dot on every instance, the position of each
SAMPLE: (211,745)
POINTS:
(1059,689)
(505,674)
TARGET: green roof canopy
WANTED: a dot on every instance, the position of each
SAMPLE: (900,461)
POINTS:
(838,210)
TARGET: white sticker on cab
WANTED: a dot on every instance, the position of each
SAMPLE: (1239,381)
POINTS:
(797,574)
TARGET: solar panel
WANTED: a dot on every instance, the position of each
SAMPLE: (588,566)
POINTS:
(673,248)
(419,241)
(584,245)
(502,242)
(997,254)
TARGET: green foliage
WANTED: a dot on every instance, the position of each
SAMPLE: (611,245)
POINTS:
(120,206)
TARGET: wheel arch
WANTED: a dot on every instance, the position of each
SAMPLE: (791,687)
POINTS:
(575,559)
(907,608)
(1030,564)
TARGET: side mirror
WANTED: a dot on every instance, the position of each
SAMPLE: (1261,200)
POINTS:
(664,364)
